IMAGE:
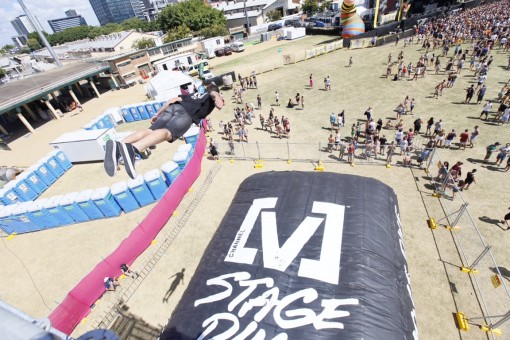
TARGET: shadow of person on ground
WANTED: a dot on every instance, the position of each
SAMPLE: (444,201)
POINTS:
(474,161)
(502,270)
(490,220)
(178,277)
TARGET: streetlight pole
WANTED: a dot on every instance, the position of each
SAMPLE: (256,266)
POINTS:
(41,35)
(247,20)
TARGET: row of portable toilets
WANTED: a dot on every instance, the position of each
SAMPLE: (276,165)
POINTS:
(31,183)
(129,113)
(87,205)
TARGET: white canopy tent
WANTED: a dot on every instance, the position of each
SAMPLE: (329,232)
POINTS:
(168,84)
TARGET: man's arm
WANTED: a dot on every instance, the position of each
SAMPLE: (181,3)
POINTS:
(218,99)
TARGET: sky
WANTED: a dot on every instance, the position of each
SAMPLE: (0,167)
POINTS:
(44,10)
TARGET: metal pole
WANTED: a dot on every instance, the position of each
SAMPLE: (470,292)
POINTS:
(319,152)
(288,151)
(244,153)
(41,35)
(506,316)
(258,150)
(431,159)
(479,258)
(247,20)
(502,321)
(462,209)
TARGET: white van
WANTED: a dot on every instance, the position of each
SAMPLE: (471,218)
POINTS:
(237,46)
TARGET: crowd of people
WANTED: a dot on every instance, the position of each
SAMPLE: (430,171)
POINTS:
(458,42)
(484,29)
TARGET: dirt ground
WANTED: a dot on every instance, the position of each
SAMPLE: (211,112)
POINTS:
(40,268)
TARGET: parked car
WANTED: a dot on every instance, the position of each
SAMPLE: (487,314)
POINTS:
(237,46)
(319,24)
(292,23)
(227,50)
(274,27)
(193,69)
(219,52)
(207,74)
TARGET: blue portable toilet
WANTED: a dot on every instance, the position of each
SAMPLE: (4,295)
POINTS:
(24,190)
(126,114)
(99,123)
(104,200)
(53,208)
(187,148)
(25,177)
(61,159)
(150,110)
(124,196)
(68,202)
(134,112)
(24,223)
(35,180)
(181,158)
(7,223)
(53,166)
(140,191)
(170,170)
(41,216)
(84,201)
(156,106)
(156,183)
(107,121)
(44,173)
(9,196)
(191,136)
(142,111)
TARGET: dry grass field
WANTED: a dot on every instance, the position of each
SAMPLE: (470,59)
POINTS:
(40,268)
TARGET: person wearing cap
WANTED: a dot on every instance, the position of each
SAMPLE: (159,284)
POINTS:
(490,149)
(110,284)
(172,120)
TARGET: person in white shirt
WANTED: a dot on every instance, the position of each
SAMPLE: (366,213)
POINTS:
(486,109)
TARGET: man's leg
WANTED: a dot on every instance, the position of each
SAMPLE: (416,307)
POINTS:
(136,136)
(130,150)
(143,139)
(113,153)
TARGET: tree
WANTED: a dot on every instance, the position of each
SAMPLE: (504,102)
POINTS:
(310,7)
(3,73)
(25,50)
(192,13)
(325,6)
(274,15)
(216,30)
(143,43)
(180,32)
(8,47)
(135,24)
(33,44)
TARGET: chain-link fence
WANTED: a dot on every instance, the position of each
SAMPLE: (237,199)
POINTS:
(320,152)
(489,309)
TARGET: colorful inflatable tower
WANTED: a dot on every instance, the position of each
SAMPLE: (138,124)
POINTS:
(351,21)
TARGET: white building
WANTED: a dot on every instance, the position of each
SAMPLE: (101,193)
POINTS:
(23,26)
(102,46)
(175,62)
(256,10)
